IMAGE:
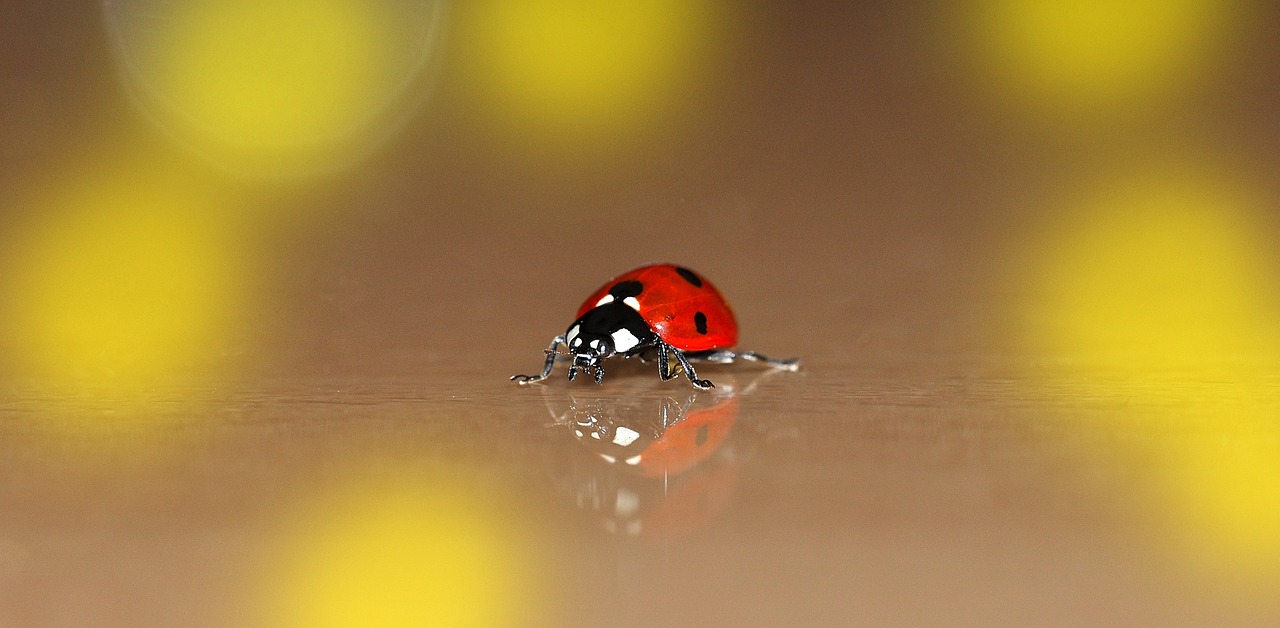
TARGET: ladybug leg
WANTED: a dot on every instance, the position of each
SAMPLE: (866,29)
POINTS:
(664,363)
(546,369)
(725,357)
(702,384)
(666,373)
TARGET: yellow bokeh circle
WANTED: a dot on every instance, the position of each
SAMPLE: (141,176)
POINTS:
(123,279)
(1093,53)
(1160,275)
(277,86)
(398,552)
(584,75)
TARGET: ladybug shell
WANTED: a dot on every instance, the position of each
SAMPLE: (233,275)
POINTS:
(680,306)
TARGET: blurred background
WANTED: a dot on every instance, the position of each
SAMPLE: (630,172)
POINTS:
(265,267)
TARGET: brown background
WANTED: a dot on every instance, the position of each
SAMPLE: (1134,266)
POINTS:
(842,174)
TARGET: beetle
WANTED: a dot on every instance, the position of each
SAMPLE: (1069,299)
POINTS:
(661,310)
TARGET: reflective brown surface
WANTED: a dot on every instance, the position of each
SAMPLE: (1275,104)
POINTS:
(1030,393)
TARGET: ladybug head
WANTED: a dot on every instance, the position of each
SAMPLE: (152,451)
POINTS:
(604,330)
(588,351)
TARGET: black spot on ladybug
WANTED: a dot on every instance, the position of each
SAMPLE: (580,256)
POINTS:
(689,276)
(700,321)
(626,289)
(700,438)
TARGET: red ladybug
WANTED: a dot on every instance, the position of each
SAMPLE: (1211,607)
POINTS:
(661,308)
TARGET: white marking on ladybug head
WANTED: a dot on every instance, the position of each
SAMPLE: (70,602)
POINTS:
(633,302)
(608,298)
(624,340)
(625,436)
(571,336)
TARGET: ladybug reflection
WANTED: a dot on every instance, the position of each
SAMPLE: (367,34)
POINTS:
(667,471)
(659,311)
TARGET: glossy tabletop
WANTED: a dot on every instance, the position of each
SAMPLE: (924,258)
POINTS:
(258,381)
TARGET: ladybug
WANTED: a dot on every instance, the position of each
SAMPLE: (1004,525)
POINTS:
(659,309)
